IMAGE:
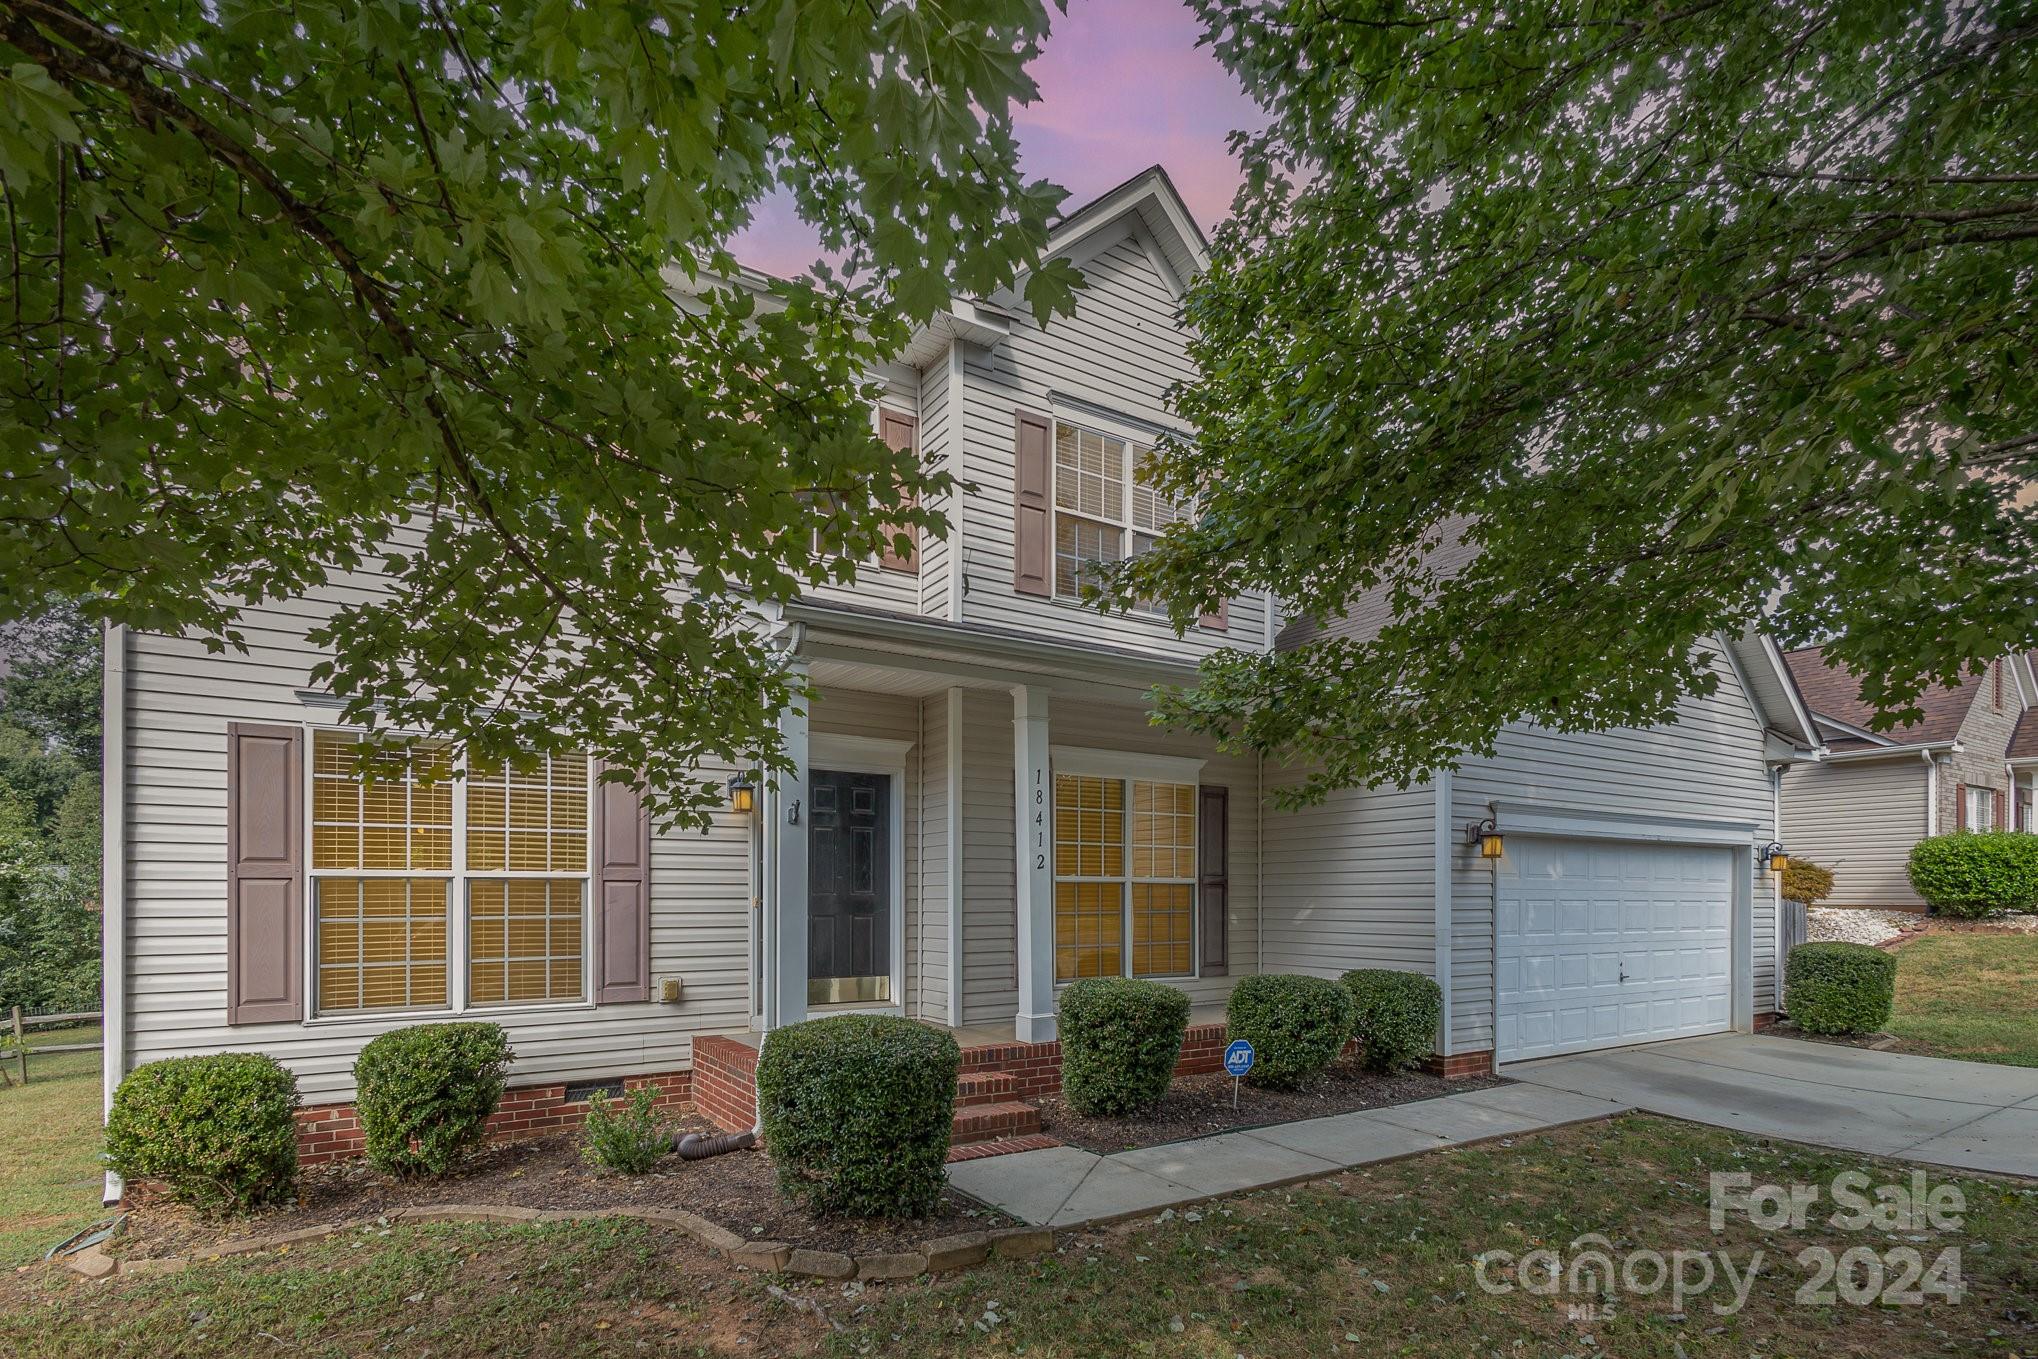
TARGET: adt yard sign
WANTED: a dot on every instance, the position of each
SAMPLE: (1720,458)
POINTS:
(1238,1059)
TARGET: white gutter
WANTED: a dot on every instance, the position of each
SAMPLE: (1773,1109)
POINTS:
(1927,750)
(113,877)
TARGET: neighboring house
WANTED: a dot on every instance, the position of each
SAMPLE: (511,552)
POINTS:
(982,810)
(1877,793)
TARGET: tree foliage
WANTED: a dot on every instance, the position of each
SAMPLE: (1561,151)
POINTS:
(432,287)
(1559,338)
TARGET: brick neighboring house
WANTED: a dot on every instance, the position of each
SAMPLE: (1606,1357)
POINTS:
(1876,794)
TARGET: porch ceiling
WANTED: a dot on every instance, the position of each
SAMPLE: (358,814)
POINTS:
(884,679)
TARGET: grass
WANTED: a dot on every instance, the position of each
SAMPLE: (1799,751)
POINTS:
(1969,996)
(49,1147)
(1371,1263)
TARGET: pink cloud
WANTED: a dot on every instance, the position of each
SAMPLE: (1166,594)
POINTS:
(1122,86)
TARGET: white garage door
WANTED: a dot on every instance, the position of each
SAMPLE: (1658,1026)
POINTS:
(1602,943)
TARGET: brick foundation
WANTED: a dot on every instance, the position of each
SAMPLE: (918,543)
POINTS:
(1459,1065)
(332,1132)
(1765,1020)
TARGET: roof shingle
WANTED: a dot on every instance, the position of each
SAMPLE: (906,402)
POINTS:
(1832,692)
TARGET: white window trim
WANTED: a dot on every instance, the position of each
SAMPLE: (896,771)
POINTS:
(458,921)
(1133,441)
(1981,807)
(1128,767)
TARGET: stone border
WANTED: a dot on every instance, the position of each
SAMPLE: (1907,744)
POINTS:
(940,1255)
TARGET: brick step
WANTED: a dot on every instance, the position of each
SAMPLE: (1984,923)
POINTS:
(993,1122)
(985,1087)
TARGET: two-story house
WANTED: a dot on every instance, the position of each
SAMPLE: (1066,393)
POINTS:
(1965,764)
(982,810)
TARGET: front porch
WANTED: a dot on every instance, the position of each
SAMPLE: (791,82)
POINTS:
(999,1076)
(913,862)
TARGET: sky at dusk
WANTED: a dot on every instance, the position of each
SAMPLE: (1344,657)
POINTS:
(1122,86)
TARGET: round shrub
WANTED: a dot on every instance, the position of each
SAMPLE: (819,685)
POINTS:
(1970,874)
(1395,1016)
(626,1135)
(1839,988)
(1120,1040)
(1806,882)
(220,1133)
(424,1093)
(857,1112)
(1297,1026)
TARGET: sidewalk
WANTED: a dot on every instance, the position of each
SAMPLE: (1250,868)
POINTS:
(1069,1187)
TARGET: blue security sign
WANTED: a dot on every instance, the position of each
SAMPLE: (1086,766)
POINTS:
(1238,1058)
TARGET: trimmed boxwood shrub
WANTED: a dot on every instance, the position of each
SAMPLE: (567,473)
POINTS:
(1970,874)
(1839,988)
(1806,882)
(1395,1016)
(219,1132)
(1120,1040)
(424,1093)
(857,1113)
(1297,1026)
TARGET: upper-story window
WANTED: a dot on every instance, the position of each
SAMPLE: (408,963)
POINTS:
(1981,808)
(1105,509)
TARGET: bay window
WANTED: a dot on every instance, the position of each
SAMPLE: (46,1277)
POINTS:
(430,892)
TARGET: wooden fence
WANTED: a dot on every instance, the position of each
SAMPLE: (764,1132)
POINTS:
(23,1022)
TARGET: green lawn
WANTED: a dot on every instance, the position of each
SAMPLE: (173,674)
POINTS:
(49,1145)
(1970,996)
(1375,1263)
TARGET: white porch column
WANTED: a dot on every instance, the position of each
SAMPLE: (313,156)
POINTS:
(1033,804)
(786,845)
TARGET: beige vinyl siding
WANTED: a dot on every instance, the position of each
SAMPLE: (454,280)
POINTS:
(990,941)
(1709,764)
(927,917)
(1122,350)
(875,587)
(1860,819)
(1351,881)
(179,700)
(938,453)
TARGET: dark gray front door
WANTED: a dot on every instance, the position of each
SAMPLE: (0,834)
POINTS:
(849,889)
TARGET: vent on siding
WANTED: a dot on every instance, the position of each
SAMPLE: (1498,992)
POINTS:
(578,1092)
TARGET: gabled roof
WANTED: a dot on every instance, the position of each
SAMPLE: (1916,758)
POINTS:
(2024,740)
(1834,697)
(1157,206)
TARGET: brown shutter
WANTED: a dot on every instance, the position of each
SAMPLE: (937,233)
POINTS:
(1960,806)
(2000,804)
(1032,547)
(1218,620)
(1213,877)
(265,874)
(622,895)
(898,431)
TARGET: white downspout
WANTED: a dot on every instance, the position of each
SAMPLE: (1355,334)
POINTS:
(113,877)
(1931,793)
(1445,883)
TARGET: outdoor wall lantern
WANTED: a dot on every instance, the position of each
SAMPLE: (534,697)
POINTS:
(1486,835)
(742,793)
(1778,859)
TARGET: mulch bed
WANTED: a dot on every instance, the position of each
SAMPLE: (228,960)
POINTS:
(738,1190)
(1200,1106)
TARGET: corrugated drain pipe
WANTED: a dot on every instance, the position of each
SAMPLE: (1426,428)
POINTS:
(694,1147)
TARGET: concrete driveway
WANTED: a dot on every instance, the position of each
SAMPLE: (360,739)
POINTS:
(1972,1115)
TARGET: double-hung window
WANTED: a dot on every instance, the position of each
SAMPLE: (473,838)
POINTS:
(1981,808)
(1124,871)
(1105,508)
(435,893)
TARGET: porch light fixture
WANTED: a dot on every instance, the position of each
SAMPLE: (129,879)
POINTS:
(1486,835)
(742,793)
(1778,859)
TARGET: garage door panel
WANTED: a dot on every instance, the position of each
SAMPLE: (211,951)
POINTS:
(1600,944)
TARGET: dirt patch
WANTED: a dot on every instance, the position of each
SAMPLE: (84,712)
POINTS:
(738,1190)
(1200,1106)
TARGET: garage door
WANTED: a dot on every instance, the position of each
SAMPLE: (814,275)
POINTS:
(1603,943)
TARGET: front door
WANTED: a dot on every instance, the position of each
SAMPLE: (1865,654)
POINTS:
(849,889)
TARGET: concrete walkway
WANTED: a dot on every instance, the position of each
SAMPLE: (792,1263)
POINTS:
(1973,1115)
(1068,1187)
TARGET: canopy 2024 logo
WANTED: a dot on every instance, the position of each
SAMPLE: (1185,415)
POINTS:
(1595,1278)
